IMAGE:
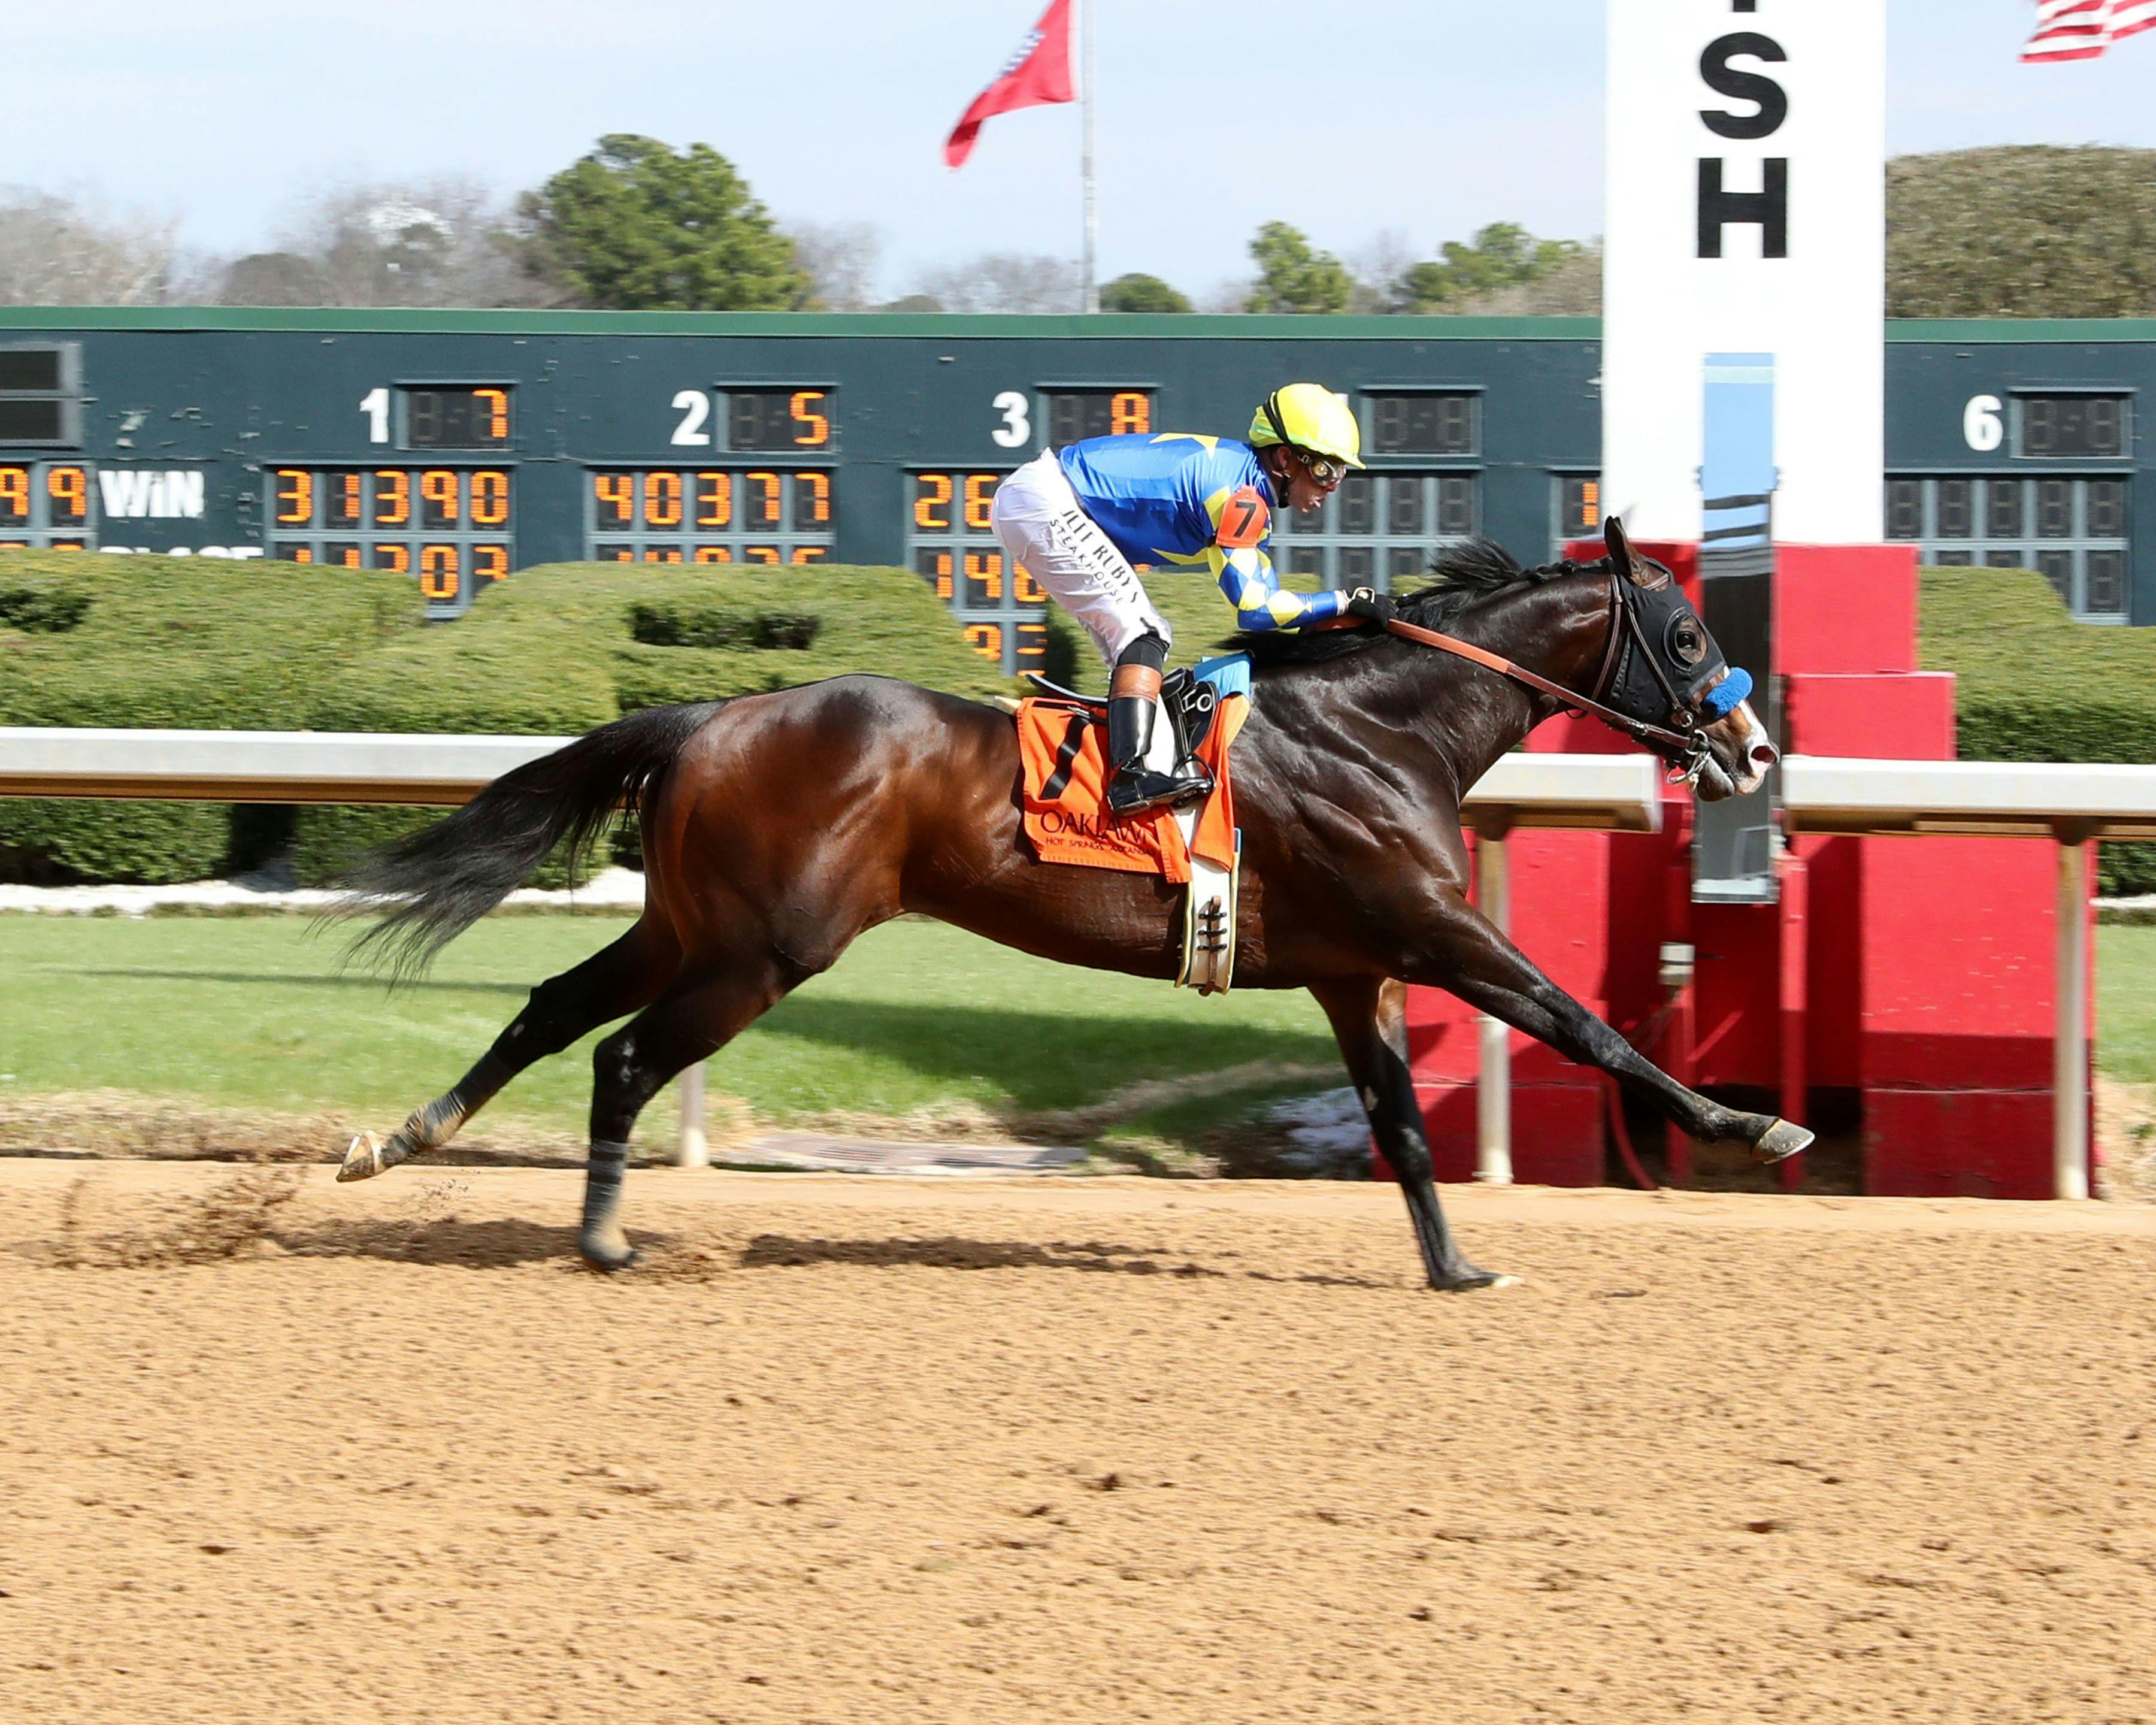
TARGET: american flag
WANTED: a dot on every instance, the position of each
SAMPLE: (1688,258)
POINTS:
(2082,30)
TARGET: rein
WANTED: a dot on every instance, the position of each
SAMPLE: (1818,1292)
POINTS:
(1690,744)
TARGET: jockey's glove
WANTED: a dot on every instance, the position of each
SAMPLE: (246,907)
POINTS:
(1372,606)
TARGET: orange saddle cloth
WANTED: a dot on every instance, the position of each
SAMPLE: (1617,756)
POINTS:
(1066,812)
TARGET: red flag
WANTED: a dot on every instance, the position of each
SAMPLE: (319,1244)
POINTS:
(1039,72)
(2082,30)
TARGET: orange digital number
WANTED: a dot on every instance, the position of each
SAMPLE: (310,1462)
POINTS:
(980,493)
(715,500)
(941,574)
(298,554)
(808,553)
(713,554)
(496,403)
(490,562)
(393,497)
(344,556)
(818,513)
(772,512)
(761,554)
(395,558)
(616,554)
(987,639)
(804,408)
(15,496)
(68,487)
(1130,410)
(13,545)
(1032,640)
(1591,503)
(616,492)
(295,496)
(931,493)
(984,569)
(662,499)
(438,491)
(1024,589)
(660,554)
(347,510)
(67,544)
(489,498)
(438,573)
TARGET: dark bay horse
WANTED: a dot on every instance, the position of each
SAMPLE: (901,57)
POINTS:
(777,827)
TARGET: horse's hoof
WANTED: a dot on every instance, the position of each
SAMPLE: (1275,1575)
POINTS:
(606,1253)
(364,1157)
(1780,1142)
(1475,1279)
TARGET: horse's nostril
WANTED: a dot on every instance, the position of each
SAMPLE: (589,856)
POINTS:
(1764,755)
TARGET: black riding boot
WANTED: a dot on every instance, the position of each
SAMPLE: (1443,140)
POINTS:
(1132,786)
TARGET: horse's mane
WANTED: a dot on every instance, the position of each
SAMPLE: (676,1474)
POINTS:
(1462,575)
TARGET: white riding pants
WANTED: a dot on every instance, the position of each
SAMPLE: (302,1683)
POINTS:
(1044,529)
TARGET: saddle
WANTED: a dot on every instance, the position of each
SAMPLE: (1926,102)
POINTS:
(1063,774)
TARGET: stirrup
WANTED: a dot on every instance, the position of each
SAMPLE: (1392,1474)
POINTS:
(1137,790)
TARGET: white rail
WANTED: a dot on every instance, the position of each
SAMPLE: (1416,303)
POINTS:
(1609,792)
(2071,804)
(2068,804)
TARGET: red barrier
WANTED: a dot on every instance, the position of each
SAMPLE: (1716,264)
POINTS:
(1918,973)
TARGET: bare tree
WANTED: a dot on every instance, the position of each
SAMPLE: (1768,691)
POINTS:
(441,242)
(841,260)
(1377,267)
(1571,288)
(55,251)
(1005,281)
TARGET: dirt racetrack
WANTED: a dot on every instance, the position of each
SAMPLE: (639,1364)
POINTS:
(854,1449)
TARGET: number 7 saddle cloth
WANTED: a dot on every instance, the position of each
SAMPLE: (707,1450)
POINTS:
(1065,810)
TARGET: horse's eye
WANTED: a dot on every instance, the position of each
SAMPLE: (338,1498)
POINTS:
(1687,640)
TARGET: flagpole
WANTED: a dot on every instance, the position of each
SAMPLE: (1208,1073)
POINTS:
(1092,292)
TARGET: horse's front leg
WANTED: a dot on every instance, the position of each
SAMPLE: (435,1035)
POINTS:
(1465,955)
(1369,1018)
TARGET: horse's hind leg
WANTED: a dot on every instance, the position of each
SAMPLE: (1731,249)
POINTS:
(616,980)
(702,1010)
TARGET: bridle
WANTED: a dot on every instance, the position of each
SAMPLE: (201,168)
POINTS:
(1682,742)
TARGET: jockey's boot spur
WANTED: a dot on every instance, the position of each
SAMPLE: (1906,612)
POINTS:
(1133,787)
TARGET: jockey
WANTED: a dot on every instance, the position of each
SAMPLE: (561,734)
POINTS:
(1076,519)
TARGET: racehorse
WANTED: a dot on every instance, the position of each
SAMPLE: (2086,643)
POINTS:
(777,827)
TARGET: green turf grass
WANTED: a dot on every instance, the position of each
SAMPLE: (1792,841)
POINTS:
(2125,1003)
(254,1011)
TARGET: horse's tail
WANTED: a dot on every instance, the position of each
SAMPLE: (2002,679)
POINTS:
(437,882)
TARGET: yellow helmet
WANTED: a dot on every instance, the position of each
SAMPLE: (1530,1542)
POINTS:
(1309,417)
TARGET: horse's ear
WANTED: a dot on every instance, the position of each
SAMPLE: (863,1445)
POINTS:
(1642,572)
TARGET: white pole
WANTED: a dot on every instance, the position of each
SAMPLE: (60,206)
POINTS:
(2070,1059)
(1092,290)
(1493,1089)
(694,1149)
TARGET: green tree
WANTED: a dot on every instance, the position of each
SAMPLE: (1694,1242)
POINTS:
(2034,230)
(1141,293)
(637,226)
(1292,277)
(1502,256)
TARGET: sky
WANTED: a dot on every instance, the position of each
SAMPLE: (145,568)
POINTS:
(1424,118)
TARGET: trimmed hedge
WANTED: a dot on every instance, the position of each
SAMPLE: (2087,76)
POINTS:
(167,641)
(2033,685)
(554,650)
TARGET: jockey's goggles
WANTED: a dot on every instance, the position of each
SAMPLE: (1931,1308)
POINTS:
(1327,472)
